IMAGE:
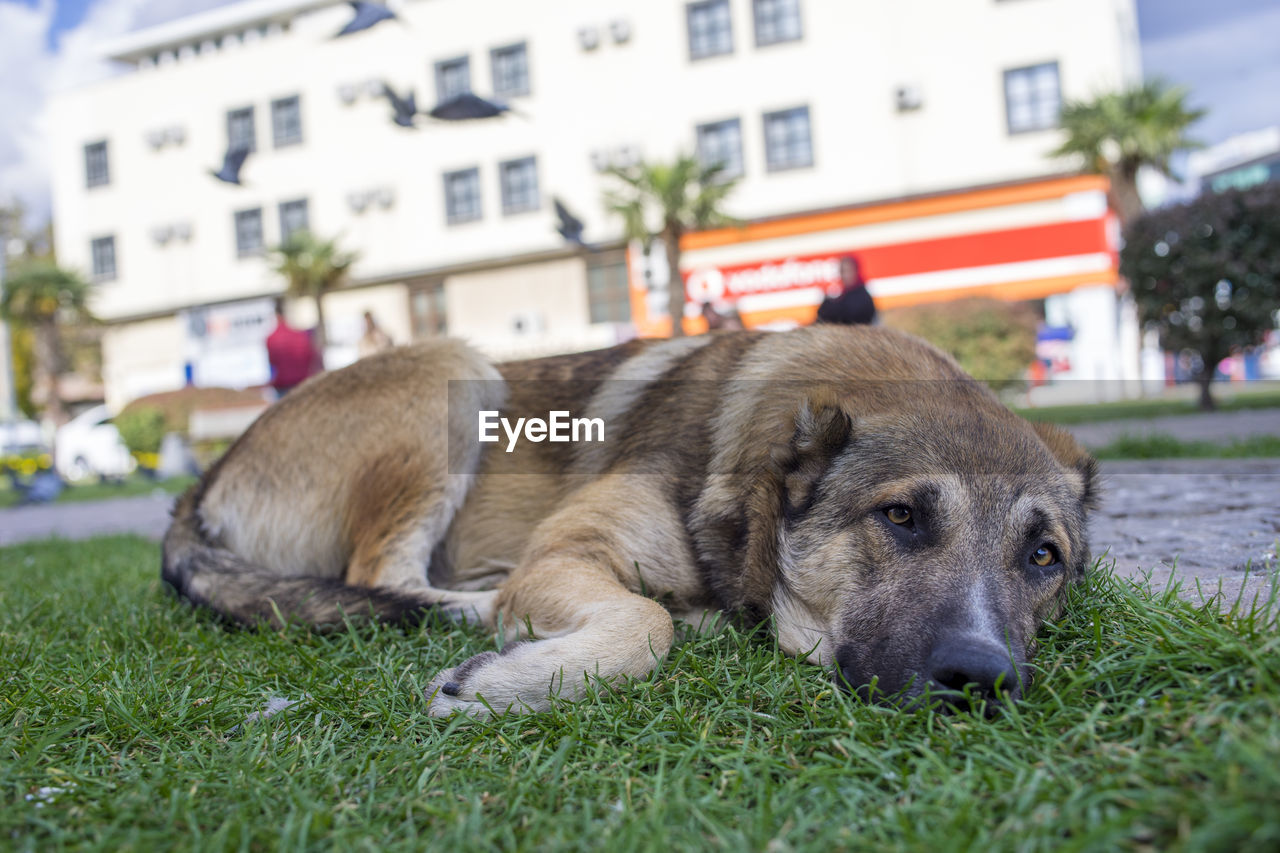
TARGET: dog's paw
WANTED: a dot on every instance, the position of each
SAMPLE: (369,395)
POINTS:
(488,683)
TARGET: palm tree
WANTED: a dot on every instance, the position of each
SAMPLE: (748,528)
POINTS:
(312,267)
(40,296)
(1118,133)
(681,196)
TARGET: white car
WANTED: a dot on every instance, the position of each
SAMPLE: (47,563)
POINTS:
(89,445)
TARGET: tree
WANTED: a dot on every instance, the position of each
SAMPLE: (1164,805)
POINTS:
(41,296)
(1206,274)
(667,200)
(312,267)
(994,341)
(1116,134)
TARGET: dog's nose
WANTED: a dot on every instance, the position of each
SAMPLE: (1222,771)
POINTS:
(987,671)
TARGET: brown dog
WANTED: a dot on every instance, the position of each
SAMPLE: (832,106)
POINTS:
(851,488)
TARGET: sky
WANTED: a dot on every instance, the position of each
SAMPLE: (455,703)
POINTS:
(1226,52)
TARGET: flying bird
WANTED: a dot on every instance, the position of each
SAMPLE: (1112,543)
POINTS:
(232,161)
(567,225)
(367,15)
(467,106)
(405,108)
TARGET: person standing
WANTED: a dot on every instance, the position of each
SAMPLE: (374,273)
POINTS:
(374,339)
(290,353)
(853,305)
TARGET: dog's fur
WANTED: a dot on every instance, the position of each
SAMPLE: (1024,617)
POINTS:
(765,475)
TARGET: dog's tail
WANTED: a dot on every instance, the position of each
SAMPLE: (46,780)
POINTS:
(211,576)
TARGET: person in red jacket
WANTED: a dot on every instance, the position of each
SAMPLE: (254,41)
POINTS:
(291,354)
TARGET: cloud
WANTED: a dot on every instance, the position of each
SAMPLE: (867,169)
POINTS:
(1230,67)
(30,72)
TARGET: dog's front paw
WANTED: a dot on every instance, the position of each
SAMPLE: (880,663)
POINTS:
(489,683)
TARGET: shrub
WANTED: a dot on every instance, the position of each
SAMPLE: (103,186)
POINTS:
(142,428)
(993,340)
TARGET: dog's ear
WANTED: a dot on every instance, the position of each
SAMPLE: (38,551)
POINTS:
(822,429)
(1079,465)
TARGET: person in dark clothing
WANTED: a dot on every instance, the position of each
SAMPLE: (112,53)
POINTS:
(853,305)
(290,352)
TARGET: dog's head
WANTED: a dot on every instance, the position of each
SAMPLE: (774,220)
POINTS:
(920,547)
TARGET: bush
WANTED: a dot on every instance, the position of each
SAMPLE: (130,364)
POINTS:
(1206,274)
(994,341)
(142,428)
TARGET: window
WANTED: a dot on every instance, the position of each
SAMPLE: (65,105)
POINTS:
(1032,98)
(462,196)
(608,295)
(721,142)
(710,31)
(96,171)
(240,129)
(519,179)
(293,218)
(453,78)
(787,143)
(427,310)
(776,21)
(510,70)
(249,232)
(286,121)
(103,250)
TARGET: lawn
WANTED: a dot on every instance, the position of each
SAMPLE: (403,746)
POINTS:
(135,484)
(1161,446)
(1151,725)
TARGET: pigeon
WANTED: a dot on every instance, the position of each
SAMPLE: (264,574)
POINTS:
(367,15)
(569,226)
(232,161)
(405,108)
(467,106)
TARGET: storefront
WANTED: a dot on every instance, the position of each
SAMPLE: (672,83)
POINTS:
(1052,239)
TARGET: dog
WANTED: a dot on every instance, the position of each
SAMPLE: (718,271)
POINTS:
(849,489)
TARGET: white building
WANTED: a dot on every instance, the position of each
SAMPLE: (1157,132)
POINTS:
(913,133)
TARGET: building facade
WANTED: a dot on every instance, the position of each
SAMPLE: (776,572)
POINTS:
(913,134)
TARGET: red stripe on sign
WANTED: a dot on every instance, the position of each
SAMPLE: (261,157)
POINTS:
(1059,239)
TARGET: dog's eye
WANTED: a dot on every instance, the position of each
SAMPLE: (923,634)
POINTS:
(898,515)
(1044,556)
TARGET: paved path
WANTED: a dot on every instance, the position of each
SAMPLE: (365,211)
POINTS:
(1194,519)
(1218,427)
(147,515)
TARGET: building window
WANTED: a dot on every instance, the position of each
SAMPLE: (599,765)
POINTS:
(293,218)
(249,232)
(519,179)
(721,142)
(710,30)
(1032,97)
(776,21)
(453,78)
(787,141)
(96,170)
(240,132)
(462,196)
(608,295)
(103,250)
(286,121)
(427,311)
(511,70)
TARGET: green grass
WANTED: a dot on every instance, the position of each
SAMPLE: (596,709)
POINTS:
(1151,725)
(1161,446)
(1267,398)
(131,486)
